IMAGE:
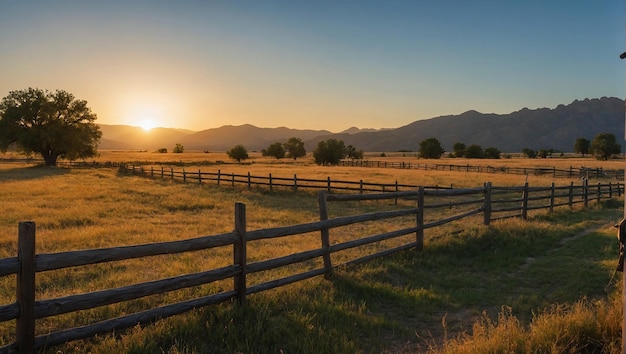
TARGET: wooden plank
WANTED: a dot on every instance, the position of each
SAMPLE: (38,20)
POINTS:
(453,218)
(284,260)
(85,301)
(9,312)
(61,260)
(330,223)
(120,323)
(9,266)
(285,281)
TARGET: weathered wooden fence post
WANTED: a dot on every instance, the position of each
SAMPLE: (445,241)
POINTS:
(419,233)
(487,207)
(25,294)
(249,182)
(239,251)
(295,182)
(571,195)
(599,192)
(552,198)
(395,200)
(586,192)
(270,180)
(199,177)
(325,233)
(184,176)
(328,183)
(525,202)
(162,172)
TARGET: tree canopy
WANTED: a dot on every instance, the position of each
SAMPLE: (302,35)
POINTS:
(275,150)
(604,145)
(294,147)
(53,124)
(238,152)
(353,153)
(582,146)
(329,152)
(431,149)
(459,149)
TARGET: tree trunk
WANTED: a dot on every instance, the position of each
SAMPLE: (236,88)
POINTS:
(50,159)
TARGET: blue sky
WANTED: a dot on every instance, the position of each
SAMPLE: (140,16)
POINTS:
(312,64)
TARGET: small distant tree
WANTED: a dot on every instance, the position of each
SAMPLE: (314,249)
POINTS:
(275,150)
(431,149)
(492,153)
(458,150)
(582,146)
(604,145)
(329,152)
(352,153)
(178,149)
(238,152)
(474,151)
(544,153)
(162,151)
(294,148)
(530,153)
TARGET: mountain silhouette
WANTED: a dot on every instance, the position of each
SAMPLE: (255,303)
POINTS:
(541,128)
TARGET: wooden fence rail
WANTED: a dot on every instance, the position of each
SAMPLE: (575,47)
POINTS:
(572,172)
(467,203)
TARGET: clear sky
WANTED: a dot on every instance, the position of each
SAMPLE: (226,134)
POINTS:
(312,64)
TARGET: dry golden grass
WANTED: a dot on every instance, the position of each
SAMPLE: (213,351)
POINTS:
(95,208)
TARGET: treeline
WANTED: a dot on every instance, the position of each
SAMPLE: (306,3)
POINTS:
(603,146)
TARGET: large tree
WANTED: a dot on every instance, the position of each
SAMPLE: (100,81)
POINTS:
(582,146)
(604,145)
(431,149)
(329,152)
(53,124)
(294,147)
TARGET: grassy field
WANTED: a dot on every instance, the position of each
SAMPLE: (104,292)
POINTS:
(468,278)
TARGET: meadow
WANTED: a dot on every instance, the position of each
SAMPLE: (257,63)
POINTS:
(468,278)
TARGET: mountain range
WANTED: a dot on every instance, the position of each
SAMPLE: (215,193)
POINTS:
(542,128)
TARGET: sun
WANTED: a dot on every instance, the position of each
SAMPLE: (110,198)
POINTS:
(147,124)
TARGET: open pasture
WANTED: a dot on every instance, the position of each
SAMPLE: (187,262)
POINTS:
(363,309)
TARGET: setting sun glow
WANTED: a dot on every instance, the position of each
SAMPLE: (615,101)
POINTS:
(147,124)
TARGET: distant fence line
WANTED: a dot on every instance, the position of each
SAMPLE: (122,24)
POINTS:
(493,202)
(572,172)
(271,182)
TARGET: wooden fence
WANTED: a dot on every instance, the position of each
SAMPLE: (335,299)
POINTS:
(493,202)
(269,181)
(572,172)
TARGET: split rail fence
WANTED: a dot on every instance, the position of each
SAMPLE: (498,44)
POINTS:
(443,205)
(572,172)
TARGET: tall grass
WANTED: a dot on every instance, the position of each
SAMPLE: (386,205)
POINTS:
(469,286)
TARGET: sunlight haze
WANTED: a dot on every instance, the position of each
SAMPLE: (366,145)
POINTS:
(311,64)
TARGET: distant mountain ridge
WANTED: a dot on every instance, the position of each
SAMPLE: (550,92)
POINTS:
(541,128)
